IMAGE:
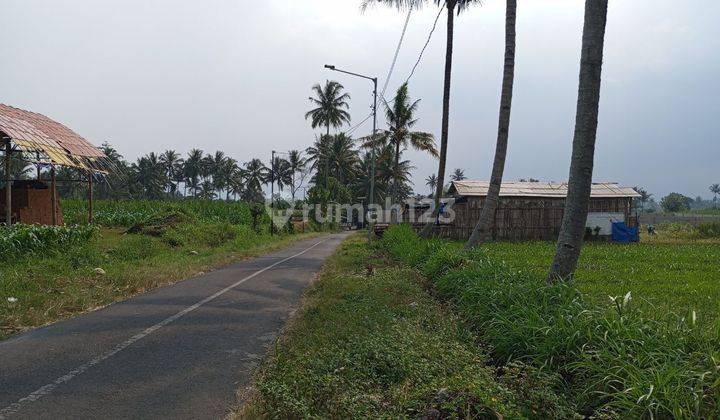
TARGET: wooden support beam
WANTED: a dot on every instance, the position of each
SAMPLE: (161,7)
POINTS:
(53,195)
(38,165)
(8,184)
(90,197)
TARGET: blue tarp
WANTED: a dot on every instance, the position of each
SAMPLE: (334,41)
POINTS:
(623,234)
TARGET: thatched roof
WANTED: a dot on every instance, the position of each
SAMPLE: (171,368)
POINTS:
(538,189)
(58,144)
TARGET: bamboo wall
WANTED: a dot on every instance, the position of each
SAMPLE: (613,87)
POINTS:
(524,218)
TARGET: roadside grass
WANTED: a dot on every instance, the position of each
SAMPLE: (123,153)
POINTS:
(40,288)
(371,342)
(676,276)
(617,358)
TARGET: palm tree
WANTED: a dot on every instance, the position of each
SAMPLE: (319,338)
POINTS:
(458,175)
(280,173)
(452,6)
(226,174)
(217,170)
(482,228)
(236,185)
(715,189)
(172,162)
(431,182)
(361,182)
(297,166)
(148,173)
(342,157)
(192,170)
(319,158)
(207,190)
(256,175)
(400,118)
(331,105)
(577,202)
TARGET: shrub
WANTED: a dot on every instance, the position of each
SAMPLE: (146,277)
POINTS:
(18,240)
(709,230)
(616,360)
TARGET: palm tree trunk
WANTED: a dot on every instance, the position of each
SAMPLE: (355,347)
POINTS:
(327,161)
(427,230)
(394,193)
(572,229)
(487,216)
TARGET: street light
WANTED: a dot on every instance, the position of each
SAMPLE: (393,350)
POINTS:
(372,175)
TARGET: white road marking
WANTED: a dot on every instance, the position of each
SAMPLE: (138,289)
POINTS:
(47,389)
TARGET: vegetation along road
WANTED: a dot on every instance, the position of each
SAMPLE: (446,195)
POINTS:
(179,351)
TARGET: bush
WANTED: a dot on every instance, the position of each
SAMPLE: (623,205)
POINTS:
(18,240)
(709,230)
(615,359)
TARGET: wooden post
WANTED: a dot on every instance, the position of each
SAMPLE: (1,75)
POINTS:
(53,195)
(90,197)
(38,166)
(8,185)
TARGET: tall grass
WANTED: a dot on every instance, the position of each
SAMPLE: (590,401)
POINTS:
(617,359)
(126,213)
(18,240)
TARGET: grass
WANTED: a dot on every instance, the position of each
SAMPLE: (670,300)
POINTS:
(48,283)
(371,342)
(125,213)
(669,277)
(618,358)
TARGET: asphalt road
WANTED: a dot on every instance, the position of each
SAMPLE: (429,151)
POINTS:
(181,351)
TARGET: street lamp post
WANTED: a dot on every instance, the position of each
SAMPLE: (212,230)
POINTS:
(272,193)
(372,149)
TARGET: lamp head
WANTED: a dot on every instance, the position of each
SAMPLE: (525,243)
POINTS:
(329,66)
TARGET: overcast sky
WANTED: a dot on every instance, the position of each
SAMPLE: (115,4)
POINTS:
(234,75)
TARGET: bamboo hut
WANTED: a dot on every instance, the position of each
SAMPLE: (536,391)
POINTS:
(534,210)
(39,140)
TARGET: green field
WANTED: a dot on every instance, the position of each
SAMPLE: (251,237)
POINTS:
(49,273)
(635,335)
(679,277)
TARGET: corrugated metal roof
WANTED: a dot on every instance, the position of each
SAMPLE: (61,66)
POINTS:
(538,189)
(33,132)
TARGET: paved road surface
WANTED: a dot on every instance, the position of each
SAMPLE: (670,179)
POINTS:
(180,351)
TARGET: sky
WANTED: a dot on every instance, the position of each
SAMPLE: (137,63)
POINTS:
(235,75)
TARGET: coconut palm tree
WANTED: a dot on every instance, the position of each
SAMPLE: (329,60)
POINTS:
(458,175)
(319,159)
(192,170)
(482,229)
(330,106)
(297,167)
(342,158)
(172,162)
(361,182)
(401,119)
(216,167)
(148,173)
(431,182)
(237,183)
(280,173)
(577,202)
(256,175)
(452,6)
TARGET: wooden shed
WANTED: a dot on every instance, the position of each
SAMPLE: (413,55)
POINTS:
(534,210)
(36,139)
